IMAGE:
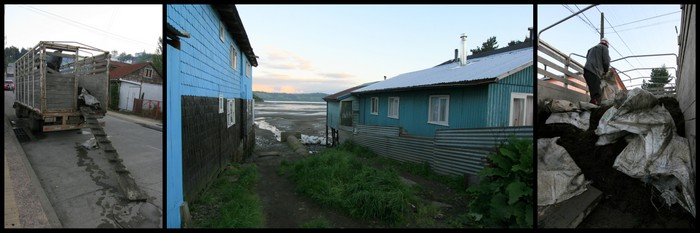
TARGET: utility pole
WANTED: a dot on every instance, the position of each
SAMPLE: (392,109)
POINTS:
(602,26)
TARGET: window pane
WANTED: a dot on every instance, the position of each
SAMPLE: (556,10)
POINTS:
(443,109)
(529,108)
(434,102)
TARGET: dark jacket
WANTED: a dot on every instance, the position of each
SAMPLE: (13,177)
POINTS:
(598,60)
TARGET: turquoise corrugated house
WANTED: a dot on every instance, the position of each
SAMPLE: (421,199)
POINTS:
(342,113)
(490,89)
(209,99)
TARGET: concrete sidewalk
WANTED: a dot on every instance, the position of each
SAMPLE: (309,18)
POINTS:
(144,121)
(26,204)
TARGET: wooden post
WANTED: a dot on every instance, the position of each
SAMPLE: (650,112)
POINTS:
(602,26)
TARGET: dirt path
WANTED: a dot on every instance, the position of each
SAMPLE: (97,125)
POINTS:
(283,207)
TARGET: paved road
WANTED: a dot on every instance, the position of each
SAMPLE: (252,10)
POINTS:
(82,185)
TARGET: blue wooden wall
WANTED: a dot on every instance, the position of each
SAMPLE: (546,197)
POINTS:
(205,63)
(200,68)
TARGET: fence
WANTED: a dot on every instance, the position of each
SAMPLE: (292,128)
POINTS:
(148,108)
(451,151)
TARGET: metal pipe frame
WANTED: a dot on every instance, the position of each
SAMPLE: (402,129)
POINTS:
(560,21)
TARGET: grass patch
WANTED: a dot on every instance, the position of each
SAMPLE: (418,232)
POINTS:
(335,178)
(231,201)
(317,223)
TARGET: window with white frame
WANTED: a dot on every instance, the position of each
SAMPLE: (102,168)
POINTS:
(439,109)
(230,112)
(221,103)
(374,106)
(234,57)
(248,69)
(221,31)
(148,73)
(521,107)
(393,107)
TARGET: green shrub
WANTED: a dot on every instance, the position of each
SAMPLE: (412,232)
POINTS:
(504,196)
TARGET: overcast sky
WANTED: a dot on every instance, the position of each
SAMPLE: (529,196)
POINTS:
(641,30)
(125,28)
(329,48)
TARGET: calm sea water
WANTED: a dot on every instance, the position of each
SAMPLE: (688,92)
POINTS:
(277,108)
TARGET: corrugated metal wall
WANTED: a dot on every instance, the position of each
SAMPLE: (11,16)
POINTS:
(500,93)
(451,151)
(459,151)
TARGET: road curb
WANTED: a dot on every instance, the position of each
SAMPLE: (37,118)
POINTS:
(43,199)
(145,123)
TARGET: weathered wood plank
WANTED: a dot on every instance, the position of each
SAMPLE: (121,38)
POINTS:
(570,213)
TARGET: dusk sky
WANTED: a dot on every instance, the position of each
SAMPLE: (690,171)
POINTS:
(329,48)
(125,28)
(641,30)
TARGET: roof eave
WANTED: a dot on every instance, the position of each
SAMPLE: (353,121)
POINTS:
(229,15)
(432,86)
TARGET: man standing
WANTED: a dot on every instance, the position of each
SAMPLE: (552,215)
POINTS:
(597,64)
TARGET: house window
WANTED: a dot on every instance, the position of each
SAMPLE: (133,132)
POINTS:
(230,113)
(439,109)
(521,105)
(375,106)
(346,113)
(221,31)
(393,107)
(234,57)
(221,103)
(248,69)
(148,73)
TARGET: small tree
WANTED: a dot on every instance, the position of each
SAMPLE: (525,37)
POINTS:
(514,42)
(659,78)
(158,57)
(490,45)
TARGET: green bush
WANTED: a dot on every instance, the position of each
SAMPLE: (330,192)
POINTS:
(504,196)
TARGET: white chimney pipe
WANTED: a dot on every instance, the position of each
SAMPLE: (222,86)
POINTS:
(463,54)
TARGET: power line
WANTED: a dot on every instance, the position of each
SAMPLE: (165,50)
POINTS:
(623,41)
(584,21)
(648,25)
(647,18)
(589,21)
(75,23)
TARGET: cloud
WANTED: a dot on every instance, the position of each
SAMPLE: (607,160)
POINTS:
(299,84)
(283,59)
(302,77)
(278,89)
(337,75)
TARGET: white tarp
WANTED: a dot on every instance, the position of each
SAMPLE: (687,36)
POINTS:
(579,119)
(558,177)
(566,112)
(89,99)
(657,155)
